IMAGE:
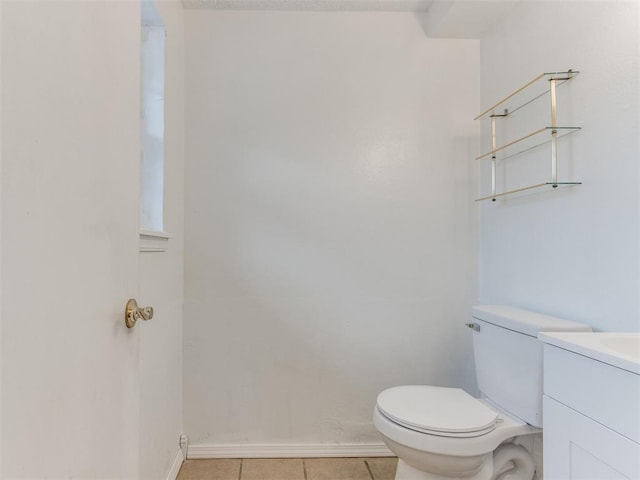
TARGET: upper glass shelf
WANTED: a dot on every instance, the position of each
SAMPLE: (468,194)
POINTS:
(520,101)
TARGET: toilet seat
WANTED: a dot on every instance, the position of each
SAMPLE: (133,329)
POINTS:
(507,427)
(446,412)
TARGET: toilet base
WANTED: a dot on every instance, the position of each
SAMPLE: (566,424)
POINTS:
(407,472)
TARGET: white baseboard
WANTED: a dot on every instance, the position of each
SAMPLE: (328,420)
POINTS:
(175,467)
(297,450)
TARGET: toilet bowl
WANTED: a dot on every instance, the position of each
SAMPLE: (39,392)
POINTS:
(444,433)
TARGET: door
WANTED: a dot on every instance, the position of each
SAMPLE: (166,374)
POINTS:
(70,186)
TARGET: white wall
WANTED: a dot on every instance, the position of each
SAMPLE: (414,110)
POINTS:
(161,277)
(328,220)
(572,253)
(1,108)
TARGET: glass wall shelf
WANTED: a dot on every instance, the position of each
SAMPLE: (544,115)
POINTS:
(534,89)
(537,186)
(561,132)
(521,97)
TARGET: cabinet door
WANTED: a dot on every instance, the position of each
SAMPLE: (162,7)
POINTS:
(576,447)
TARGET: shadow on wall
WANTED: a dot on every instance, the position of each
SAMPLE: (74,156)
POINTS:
(314,324)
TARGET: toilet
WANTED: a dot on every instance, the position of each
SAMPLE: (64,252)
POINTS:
(444,433)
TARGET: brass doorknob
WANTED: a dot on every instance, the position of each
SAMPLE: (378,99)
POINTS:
(133,313)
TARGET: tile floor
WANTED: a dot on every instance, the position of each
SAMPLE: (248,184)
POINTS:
(290,469)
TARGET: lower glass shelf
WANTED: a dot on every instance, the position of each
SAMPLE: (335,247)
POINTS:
(553,185)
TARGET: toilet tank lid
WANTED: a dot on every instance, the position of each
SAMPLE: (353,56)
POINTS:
(524,321)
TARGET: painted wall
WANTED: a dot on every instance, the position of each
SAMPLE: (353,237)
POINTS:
(161,278)
(82,396)
(328,220)
(1,108)
(574,253)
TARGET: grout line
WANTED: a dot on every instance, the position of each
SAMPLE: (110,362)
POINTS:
(369,469)
(240,471)
(304,469)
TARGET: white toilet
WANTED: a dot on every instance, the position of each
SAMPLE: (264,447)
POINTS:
(444,433)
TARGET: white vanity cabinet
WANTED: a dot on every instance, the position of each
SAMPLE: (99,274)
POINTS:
(591,406)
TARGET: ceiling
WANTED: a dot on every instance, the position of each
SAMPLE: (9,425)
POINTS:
(438,18)
(312,5)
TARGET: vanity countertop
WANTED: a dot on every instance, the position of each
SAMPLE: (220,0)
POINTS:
(620,350)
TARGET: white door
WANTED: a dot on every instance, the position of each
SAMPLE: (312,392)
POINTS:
(70,165)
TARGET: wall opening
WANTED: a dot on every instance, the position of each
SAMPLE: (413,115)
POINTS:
(152,119)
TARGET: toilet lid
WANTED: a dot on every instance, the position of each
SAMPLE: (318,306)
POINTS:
(450,412)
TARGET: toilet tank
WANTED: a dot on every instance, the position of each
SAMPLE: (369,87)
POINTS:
(508,357)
